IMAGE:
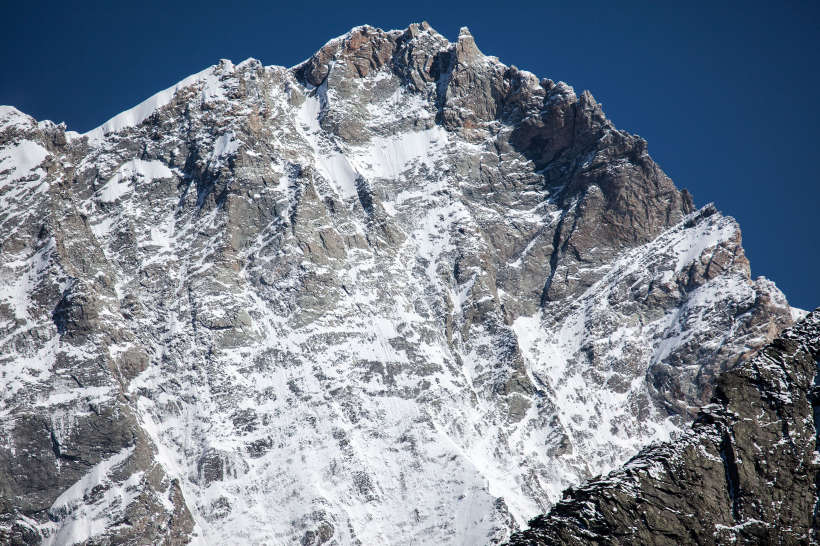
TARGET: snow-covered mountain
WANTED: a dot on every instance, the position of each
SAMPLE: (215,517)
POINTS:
(400,293)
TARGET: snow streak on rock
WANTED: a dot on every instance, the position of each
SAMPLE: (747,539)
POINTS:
(745,473)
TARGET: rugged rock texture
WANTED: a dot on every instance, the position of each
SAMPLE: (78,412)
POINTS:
(746,473)
(400,293)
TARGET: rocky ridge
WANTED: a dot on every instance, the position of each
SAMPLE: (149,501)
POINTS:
(398,293)
(745,473)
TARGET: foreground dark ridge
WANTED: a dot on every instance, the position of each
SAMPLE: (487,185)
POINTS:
(746,473)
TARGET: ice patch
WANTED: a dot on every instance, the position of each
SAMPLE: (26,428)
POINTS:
(382,157)
(333,166)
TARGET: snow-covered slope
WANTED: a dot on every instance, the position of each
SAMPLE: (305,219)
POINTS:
(745,473)
(400,293)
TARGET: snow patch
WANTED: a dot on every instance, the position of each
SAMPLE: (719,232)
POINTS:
(119,184)
(798,314)
(12,117)
(21,158)
(82,512)
(389,157)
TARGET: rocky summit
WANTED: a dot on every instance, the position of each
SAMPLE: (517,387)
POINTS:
(400,293)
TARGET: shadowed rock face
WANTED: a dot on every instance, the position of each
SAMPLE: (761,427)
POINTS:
(746,472)
(398,293)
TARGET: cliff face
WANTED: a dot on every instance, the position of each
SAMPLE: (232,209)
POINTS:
(746,472)
(398,293)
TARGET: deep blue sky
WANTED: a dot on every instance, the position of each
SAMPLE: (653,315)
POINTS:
(726,95)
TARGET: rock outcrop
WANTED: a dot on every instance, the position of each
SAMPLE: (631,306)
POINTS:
(399,293)
(746,472)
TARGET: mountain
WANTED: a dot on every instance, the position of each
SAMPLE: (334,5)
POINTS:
(400,293)
(746,472)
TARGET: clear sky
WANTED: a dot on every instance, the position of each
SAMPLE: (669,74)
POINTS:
(725,93)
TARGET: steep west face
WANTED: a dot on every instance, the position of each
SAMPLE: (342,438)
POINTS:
(399,293)
(746,473)
(73,447)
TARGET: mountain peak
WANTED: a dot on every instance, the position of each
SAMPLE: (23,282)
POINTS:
(400,293)
(366,48)
(466,47)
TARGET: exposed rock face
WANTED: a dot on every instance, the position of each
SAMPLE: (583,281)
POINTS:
(746,473)
(400,293)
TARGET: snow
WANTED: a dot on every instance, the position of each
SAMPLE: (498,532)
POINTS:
(798,314)
(389,157)
(600,421)
(11,117)
(143,110)
(383,157)
(81,515)
(119,184)
(336,168)
(332,165)
(20,158)
(697,240)
(209,78)
(72,497)
(88,395)
(225,145)
(19,279)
